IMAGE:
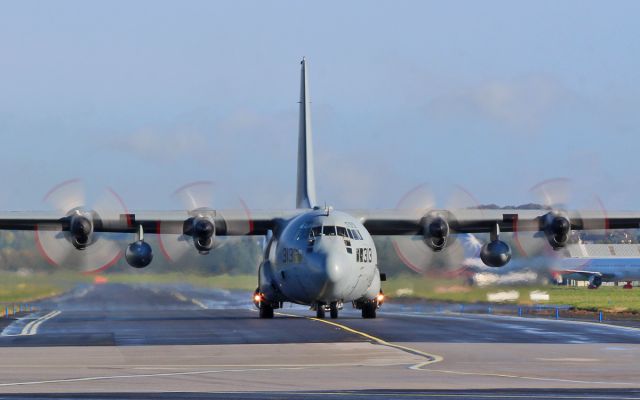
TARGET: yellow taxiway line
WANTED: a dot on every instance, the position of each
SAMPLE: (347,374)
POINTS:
(431,358)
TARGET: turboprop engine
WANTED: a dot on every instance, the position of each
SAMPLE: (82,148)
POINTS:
(80,230)
(435,231)
(556,228)
(203,231)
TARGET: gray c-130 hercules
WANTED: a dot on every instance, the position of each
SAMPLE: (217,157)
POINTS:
(315,255)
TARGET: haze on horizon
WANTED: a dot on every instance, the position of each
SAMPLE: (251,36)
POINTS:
(147,96)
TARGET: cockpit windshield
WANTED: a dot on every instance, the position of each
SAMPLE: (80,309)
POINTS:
(342,231)
(329,230)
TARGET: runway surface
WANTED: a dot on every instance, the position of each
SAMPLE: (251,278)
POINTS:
(108,341)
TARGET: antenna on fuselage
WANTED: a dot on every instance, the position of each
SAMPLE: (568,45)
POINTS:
(306,186)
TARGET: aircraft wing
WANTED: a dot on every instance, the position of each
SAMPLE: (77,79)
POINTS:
(377,222)
(413,222)
(227,222)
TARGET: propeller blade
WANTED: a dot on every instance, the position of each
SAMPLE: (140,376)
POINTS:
(197,197)
(412,250)
(56,246)
(66,196)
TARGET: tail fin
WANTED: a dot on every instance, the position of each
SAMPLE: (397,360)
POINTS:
(306,190)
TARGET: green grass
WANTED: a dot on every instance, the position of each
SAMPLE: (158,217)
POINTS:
(20,289)
(606,298)
(15,289)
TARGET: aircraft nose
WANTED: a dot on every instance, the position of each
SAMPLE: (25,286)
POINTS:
(334,279)
(331,277)
(333,269)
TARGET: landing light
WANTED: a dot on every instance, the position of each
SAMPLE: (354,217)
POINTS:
(257,298)
(380,298)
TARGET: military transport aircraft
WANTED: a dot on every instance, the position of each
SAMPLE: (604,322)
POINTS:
(315,255)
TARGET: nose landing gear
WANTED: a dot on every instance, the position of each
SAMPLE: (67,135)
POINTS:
(333,310)
(333,307)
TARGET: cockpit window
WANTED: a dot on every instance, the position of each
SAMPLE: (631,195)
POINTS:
(316,231)
(329,230)
(355,234)
(342,231)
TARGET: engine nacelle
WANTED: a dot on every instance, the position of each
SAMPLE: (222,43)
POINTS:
(203,233)
(595,281)
(495,254)
(435,231)
(556,228)
(139,254)
(80,231)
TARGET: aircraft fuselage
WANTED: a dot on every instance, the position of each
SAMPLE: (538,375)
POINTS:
(321,257)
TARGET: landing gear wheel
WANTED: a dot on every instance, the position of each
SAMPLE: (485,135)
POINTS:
(369,309)
(266,311)
(333,310)
(320,311)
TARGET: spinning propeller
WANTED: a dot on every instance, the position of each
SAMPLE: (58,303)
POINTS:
(202,223)
(556,195)
(423,253)
(73,242)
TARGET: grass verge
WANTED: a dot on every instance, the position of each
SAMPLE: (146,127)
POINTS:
(16,289)
(606,298)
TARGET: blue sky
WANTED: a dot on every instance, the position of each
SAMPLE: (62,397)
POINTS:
(493,96)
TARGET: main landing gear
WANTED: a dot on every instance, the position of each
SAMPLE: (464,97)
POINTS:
(265,308)
(369,308)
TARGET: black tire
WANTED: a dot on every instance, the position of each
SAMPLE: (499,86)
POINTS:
(369,310)
(266,311)
(320,311)
(333,310)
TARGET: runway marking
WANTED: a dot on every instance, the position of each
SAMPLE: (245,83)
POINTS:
(446,314)
(532,378)
(431,358)
(469,394)
(566,321)
(32,327)
(134,376)
(569,359)
(199,303)
(179,296)
(184,298)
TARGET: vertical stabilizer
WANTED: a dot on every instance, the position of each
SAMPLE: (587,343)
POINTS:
(306,188)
